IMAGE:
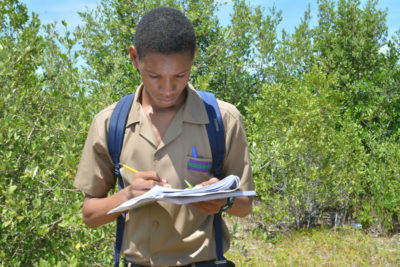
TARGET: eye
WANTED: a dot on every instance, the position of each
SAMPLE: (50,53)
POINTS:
(152,76)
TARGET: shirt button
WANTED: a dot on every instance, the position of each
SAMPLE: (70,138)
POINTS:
(156,224)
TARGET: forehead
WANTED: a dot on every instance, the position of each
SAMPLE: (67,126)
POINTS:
(175,62)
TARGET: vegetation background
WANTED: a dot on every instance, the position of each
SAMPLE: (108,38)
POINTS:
(321,108)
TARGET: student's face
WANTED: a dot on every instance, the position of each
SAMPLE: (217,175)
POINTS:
(164,77)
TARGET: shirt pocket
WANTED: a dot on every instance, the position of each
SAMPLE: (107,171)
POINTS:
(197,170)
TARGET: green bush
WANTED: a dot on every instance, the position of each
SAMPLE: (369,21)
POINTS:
(45,114)
(302,164)
(324,134)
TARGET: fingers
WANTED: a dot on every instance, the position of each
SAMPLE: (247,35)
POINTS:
(148,176)
(211,181)
(144,181)
(210,207)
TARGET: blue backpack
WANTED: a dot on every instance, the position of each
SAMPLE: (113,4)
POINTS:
(215,130)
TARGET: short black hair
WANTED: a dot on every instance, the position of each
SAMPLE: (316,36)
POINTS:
(164,30)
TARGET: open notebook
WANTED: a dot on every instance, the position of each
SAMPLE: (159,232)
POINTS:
(224,188)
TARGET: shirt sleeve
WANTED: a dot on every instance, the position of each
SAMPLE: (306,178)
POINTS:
(95,175)
(237,159)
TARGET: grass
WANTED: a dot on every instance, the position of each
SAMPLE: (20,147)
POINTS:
(313,247)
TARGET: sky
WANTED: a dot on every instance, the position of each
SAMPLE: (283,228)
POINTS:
(292,11)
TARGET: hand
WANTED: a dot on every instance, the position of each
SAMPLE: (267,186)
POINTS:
(143,182)
(212,206)
(95,209)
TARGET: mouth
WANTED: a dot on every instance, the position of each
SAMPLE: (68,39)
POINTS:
(169,99)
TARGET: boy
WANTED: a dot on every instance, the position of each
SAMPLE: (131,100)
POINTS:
(166,122)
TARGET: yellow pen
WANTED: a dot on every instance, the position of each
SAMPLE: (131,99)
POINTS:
(128,168)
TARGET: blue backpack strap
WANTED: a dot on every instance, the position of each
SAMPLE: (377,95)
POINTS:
(115,140)
(216,136)
(215,131)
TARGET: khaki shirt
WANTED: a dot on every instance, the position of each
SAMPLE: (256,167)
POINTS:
(163,233)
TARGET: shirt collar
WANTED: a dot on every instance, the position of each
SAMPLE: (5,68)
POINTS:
(134,114)
(194,109)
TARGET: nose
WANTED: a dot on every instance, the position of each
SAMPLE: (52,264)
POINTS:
(168,85)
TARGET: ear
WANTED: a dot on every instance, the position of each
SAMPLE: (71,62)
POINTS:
(194,54)
(134,56)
